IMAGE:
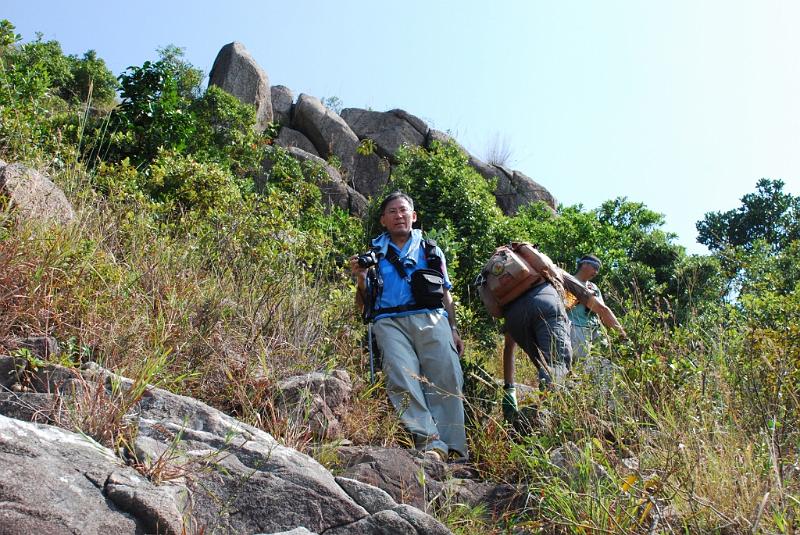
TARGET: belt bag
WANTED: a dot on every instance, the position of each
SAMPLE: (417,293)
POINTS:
(427,287)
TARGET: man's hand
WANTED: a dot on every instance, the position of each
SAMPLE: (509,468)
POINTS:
(360,274)
(459,343)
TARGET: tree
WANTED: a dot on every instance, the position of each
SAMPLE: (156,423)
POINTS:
(769,214)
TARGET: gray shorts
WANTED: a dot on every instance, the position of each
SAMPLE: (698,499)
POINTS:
(538,323)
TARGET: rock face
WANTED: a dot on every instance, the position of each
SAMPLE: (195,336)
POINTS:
(388,130)
(398,473)
(513,189)
(33,195)
(327,131)
(289,137)
(282,99)
(319,399)
(216,474)
(237,72)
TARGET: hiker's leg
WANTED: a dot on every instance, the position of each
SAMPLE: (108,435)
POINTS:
(401,366)
(442,381)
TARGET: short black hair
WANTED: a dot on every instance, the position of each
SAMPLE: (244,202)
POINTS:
(396,195)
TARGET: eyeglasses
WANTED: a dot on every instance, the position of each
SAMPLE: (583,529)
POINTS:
(403,210)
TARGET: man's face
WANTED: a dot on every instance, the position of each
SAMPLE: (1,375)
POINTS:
(587,271)
(398,217)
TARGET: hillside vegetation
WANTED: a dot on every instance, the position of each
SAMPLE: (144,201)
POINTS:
(182,272)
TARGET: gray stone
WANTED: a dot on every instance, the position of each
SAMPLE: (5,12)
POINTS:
(43,347)
(52,481)
(382,523)
(27,406)
(159,509)
(232,477)
(295,531)
(367,496)
(327,131)
(288,137)
(422,523)
(282,99)
(371,174)
(388,130)
(237,72)
(331,136)
(512,188)
(34,196)
(393,470)
(442,138)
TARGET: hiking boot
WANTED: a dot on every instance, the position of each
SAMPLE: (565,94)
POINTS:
(435,455)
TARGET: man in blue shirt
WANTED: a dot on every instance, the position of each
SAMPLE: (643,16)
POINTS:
(420,343)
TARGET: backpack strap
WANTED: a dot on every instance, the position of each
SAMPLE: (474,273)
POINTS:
(434,261)
(394,260)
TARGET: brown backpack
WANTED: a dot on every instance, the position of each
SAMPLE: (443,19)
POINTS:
(511,271)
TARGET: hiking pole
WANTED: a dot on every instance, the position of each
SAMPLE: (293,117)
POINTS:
(371,357)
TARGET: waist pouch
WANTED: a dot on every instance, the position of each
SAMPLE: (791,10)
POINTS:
(427,287)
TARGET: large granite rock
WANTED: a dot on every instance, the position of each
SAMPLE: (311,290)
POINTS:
(388,130)
(288,137)
(282,99)
(53,481)
(317,399)
(327,131)
(237,72)
(33,195)
(215,475)
(513,189)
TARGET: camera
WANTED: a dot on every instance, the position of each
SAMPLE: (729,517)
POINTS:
(367,259)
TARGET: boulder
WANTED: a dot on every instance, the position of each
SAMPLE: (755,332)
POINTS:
(331,136)
(33,195)
(216,475)
(282,99)
(54,481)
(443,138)
(327,131)
(371,174)
(315,399)
(288,137)
(388,130)
(513,189)
(237,72)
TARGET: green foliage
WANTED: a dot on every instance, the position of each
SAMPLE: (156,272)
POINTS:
(153,114)
(769,214)
(91,77)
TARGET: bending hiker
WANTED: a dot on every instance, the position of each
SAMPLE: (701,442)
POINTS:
(585,323)
(408,299)
(526,288)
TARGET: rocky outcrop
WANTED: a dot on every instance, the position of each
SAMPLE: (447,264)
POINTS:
(513,189)
(33,195)
(289,137)
(282,99)
(367,174)
(327,131)
(398,474)
(237,72)
(317,399)
(388,130)
(214,473)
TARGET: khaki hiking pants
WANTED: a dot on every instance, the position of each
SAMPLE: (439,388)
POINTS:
(424,379)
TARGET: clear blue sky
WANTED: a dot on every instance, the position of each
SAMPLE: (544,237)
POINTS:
(682,105)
